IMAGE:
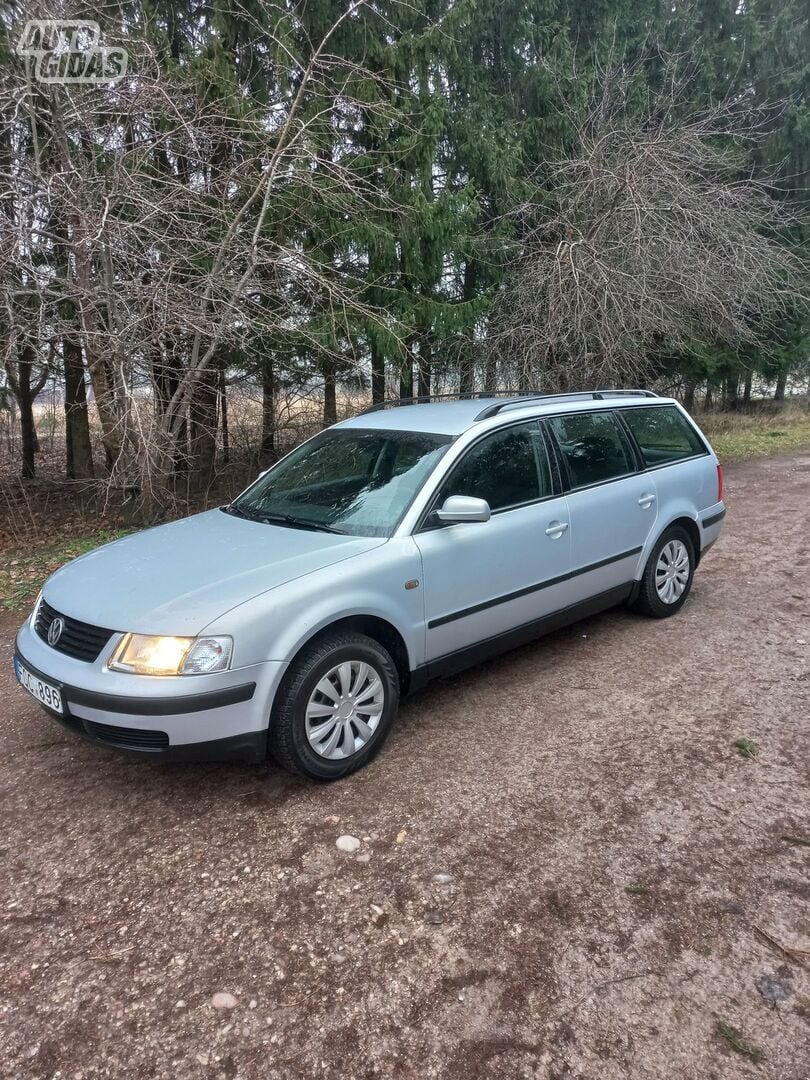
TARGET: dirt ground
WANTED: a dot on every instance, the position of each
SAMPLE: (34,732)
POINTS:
(547,783)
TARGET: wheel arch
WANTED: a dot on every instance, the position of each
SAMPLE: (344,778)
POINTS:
(374,627)
(692,529)
(690,526)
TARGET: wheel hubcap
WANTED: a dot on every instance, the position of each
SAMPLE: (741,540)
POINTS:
(344,709)
(672,571)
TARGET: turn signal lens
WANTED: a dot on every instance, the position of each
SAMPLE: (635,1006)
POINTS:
(208,654)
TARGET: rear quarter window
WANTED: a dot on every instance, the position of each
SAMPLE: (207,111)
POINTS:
(663,434)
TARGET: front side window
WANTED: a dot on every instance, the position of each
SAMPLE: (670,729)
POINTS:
(663,434)
(593,446)
(354,481)
(507,469)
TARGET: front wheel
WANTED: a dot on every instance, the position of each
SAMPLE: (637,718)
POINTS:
(335,707)
(668,575)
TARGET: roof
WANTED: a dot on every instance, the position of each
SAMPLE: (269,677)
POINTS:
(455,417)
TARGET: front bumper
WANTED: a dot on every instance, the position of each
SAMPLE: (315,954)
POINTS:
(209,717)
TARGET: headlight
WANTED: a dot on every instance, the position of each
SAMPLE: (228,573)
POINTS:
(141,654)
(35,609)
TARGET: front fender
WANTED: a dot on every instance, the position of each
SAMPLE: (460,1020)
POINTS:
(276,624)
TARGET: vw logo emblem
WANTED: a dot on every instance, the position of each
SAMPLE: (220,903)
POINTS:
(55,630)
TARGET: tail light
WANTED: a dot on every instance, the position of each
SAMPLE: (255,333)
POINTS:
(719,483)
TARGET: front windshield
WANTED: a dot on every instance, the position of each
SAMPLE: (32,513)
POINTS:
(354,481)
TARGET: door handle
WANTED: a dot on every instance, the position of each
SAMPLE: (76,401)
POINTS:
(556,529)
(646,501)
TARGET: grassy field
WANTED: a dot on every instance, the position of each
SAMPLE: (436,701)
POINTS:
(22,572)
(754,434)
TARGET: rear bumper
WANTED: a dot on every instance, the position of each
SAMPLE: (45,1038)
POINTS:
(711,524)
(714,517)
(198,718)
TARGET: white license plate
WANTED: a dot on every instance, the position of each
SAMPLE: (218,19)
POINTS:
(44,692)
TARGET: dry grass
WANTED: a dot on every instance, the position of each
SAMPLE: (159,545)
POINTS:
(764,430)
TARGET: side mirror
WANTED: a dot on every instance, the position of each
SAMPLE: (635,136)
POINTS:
(459,508)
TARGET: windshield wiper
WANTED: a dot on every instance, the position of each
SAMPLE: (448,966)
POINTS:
(280,519)
(237,511)
(298,523)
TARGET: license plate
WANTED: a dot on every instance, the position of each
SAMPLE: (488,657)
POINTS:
(44,692)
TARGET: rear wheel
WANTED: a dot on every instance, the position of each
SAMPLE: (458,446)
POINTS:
(335,707)
(668,575)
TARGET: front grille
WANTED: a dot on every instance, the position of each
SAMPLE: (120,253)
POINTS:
(127,736)
(78,639)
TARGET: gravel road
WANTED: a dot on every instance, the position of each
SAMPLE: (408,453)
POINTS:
(616,879)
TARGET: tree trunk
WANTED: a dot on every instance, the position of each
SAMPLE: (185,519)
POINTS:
(781,386)
(165,376)
(377,372)
(731,387)
(709,397)
(203,431)
(749,375)
(329,394)
(268,453)
(103,388)
(69,470)
(223,416)
(406,374)
(466,374)
(25,401)
(425,365)
(104,394)
(180,449)
(689,396)
(78,448)
(491,374)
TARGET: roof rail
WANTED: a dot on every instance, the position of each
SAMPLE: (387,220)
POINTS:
(425,399)
(511,397)
(582,395)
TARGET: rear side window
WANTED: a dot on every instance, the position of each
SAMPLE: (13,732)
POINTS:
(507,468)
(594,447)
(663,434)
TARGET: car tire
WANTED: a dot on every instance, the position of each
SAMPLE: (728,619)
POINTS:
(300,738)
(667,578)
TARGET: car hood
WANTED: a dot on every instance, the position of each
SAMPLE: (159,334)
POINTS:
(177,578)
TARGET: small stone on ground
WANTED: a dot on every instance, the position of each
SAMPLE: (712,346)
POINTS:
(223,1000)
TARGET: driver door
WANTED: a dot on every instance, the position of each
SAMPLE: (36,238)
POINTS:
(485,579)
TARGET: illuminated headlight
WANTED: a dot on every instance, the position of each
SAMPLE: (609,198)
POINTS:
(142,654)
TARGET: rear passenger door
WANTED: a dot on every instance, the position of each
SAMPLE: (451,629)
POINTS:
(685,472)
(613,507)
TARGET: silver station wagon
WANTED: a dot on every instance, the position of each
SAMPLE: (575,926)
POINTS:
(405,543)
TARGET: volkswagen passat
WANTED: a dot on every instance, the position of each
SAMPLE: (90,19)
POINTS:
(402,544)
